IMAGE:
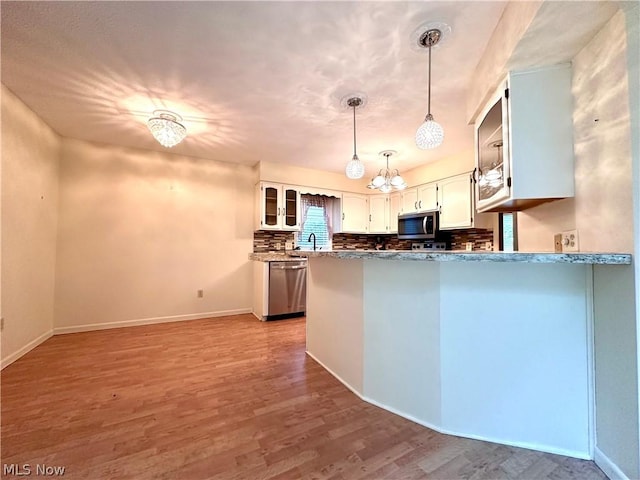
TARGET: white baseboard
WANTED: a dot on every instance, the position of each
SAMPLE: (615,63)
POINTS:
(357,393)
(439,429)
(26,349)
(148,321)
(610,469)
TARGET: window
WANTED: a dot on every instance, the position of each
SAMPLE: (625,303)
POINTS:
(316,219)
(508,232)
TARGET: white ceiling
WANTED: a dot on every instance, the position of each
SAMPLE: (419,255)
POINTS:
(253,80)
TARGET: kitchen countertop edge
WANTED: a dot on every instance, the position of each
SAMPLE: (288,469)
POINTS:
(451,256)
(273,257)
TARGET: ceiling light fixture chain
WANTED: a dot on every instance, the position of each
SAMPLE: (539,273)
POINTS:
(430,134)
(354,168)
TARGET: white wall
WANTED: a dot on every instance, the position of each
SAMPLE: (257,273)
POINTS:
(290,174)
(140,232)
(30,151)
(604,186)
(335,318)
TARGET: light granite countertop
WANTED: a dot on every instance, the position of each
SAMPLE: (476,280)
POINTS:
(274,257)
(457,256)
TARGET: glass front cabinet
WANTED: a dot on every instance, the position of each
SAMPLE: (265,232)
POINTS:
(524,141)
(278,207)
(492,141)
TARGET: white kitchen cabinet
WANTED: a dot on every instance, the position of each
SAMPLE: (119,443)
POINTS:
(278,207)
(455,202)
(524,141)
(395,205)
(379,213)
(420,198)
(355,213)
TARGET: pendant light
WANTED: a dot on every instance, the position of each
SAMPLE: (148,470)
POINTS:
(387,180)
(355,168)
(166,128)
(430,134)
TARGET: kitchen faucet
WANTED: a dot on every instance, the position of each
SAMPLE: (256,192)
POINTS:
(314,240)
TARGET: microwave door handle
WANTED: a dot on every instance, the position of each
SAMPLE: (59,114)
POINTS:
(424,224)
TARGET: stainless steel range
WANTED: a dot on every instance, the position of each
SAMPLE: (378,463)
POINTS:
(428,246)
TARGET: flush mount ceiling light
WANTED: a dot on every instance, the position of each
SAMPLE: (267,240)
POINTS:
(355,168)
(388,180)
(430,134)
(166,129)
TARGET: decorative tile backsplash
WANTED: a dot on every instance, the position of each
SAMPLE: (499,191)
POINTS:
(273,241)
(478,236)
(269,241)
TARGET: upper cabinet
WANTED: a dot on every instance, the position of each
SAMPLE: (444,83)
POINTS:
(379,213)
(355,213)
(278,207)
(395,205)
(420,198)
(455,202)
(524,141)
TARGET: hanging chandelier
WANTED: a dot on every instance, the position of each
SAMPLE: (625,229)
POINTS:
(387,180)
(355,168)
(166,128)
(430,134)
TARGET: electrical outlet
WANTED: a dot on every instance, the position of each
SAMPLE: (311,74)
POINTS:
(570,241)
(200,293)
(288,245)
(278,245)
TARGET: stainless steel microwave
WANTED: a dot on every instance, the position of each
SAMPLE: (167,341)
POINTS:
(418,226)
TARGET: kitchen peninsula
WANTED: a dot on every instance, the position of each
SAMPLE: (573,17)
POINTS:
(495,346)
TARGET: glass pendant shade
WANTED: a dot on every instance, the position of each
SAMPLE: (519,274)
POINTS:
(355,168)
(385,188)
(430,134)
(166,129)
(378,180)
(398,182)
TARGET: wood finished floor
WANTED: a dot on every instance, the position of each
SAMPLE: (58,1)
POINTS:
(226,398)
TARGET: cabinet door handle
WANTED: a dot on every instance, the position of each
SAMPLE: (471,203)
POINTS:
(420,204)
(369,217)
(278,212)
(415,205)
(343,215)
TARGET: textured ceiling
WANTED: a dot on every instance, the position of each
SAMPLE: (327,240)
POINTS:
(253,80)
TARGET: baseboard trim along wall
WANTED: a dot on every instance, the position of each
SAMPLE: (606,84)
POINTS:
(610,469)
(148,321)
(5,362)
(337,377)
(536,447)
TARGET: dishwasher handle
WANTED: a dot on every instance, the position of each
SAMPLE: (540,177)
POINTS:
(289,267)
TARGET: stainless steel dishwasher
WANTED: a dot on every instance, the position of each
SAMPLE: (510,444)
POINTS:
(287,288)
